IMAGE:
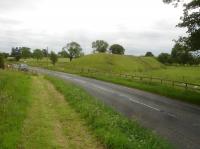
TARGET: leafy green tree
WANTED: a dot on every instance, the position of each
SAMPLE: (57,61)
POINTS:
(5,55)
(191,21)
(100,46)
(164,58)
(2,65)
(38,54)
(53,57)
(74,50)
(117,49)
(26,52)
(16,53)
(180,54)
(149,54)
(63,53)
(45,52)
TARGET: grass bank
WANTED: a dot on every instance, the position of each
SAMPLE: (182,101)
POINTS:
(168,91)
(111,128)
(14,101)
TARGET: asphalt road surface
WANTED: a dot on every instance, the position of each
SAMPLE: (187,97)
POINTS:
(174,120)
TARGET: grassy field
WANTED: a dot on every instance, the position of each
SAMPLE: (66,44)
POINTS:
(113,129)
(145,66)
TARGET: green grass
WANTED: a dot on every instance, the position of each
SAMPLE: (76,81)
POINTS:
(113,129)
(180,73)
(14,101)
(101,62)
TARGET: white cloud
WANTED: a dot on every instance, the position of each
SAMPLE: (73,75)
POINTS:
(139,25)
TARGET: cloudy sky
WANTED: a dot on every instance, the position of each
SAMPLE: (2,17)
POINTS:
(138,25)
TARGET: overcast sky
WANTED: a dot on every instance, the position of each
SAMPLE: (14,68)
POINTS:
(138,25)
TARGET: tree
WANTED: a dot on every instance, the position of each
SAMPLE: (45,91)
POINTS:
(53,57)
(5,55)
(149,54)
(164,58)
(100,46)
(74,50)
(38,54)
(16,53)
(45,52)
(2,65)
(63,53)
(117,49)
(26,52)
(190,20)
(180,54)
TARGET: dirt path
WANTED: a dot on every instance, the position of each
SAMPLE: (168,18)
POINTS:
(52,124)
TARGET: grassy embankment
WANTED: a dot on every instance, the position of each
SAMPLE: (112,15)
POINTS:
(113,129)
(143,66)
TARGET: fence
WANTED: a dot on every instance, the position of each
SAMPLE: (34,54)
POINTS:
(181,84)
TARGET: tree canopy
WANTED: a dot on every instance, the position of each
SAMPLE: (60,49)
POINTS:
(16,53)
(100,46)
(191,21)
(74,50)
(26,52)
(117,49)
(2,65)
(38,54)
(149,54)
(53,57)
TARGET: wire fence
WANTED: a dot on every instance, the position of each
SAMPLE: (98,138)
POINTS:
(173,83)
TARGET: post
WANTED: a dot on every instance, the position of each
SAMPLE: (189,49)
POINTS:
(186,85)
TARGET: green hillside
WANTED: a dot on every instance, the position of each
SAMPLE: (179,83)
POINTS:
(115,63)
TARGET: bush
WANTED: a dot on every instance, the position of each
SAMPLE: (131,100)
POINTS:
(2,64)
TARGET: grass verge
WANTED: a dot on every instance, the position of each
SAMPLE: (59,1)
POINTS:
(168,91)
(111,128)
(14,100)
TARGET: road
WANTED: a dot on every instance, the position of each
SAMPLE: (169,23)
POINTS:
(176,121)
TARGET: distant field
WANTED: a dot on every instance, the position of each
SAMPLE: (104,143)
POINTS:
(145,66)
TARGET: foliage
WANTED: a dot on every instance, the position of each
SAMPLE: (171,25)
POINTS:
(45,52)
(117,49)
(74,50)
(114,130)
(190,20)
(149,54)
(16,53)
(53,57)
(2,63)
(38,54)
(26,52)
(180,54)
(100,46)
(5,55)
(165,58)
(63,53)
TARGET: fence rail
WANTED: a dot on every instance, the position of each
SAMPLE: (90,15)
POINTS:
(174,83)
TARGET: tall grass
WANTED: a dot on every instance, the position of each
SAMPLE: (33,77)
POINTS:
(14,100)
(113,129)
